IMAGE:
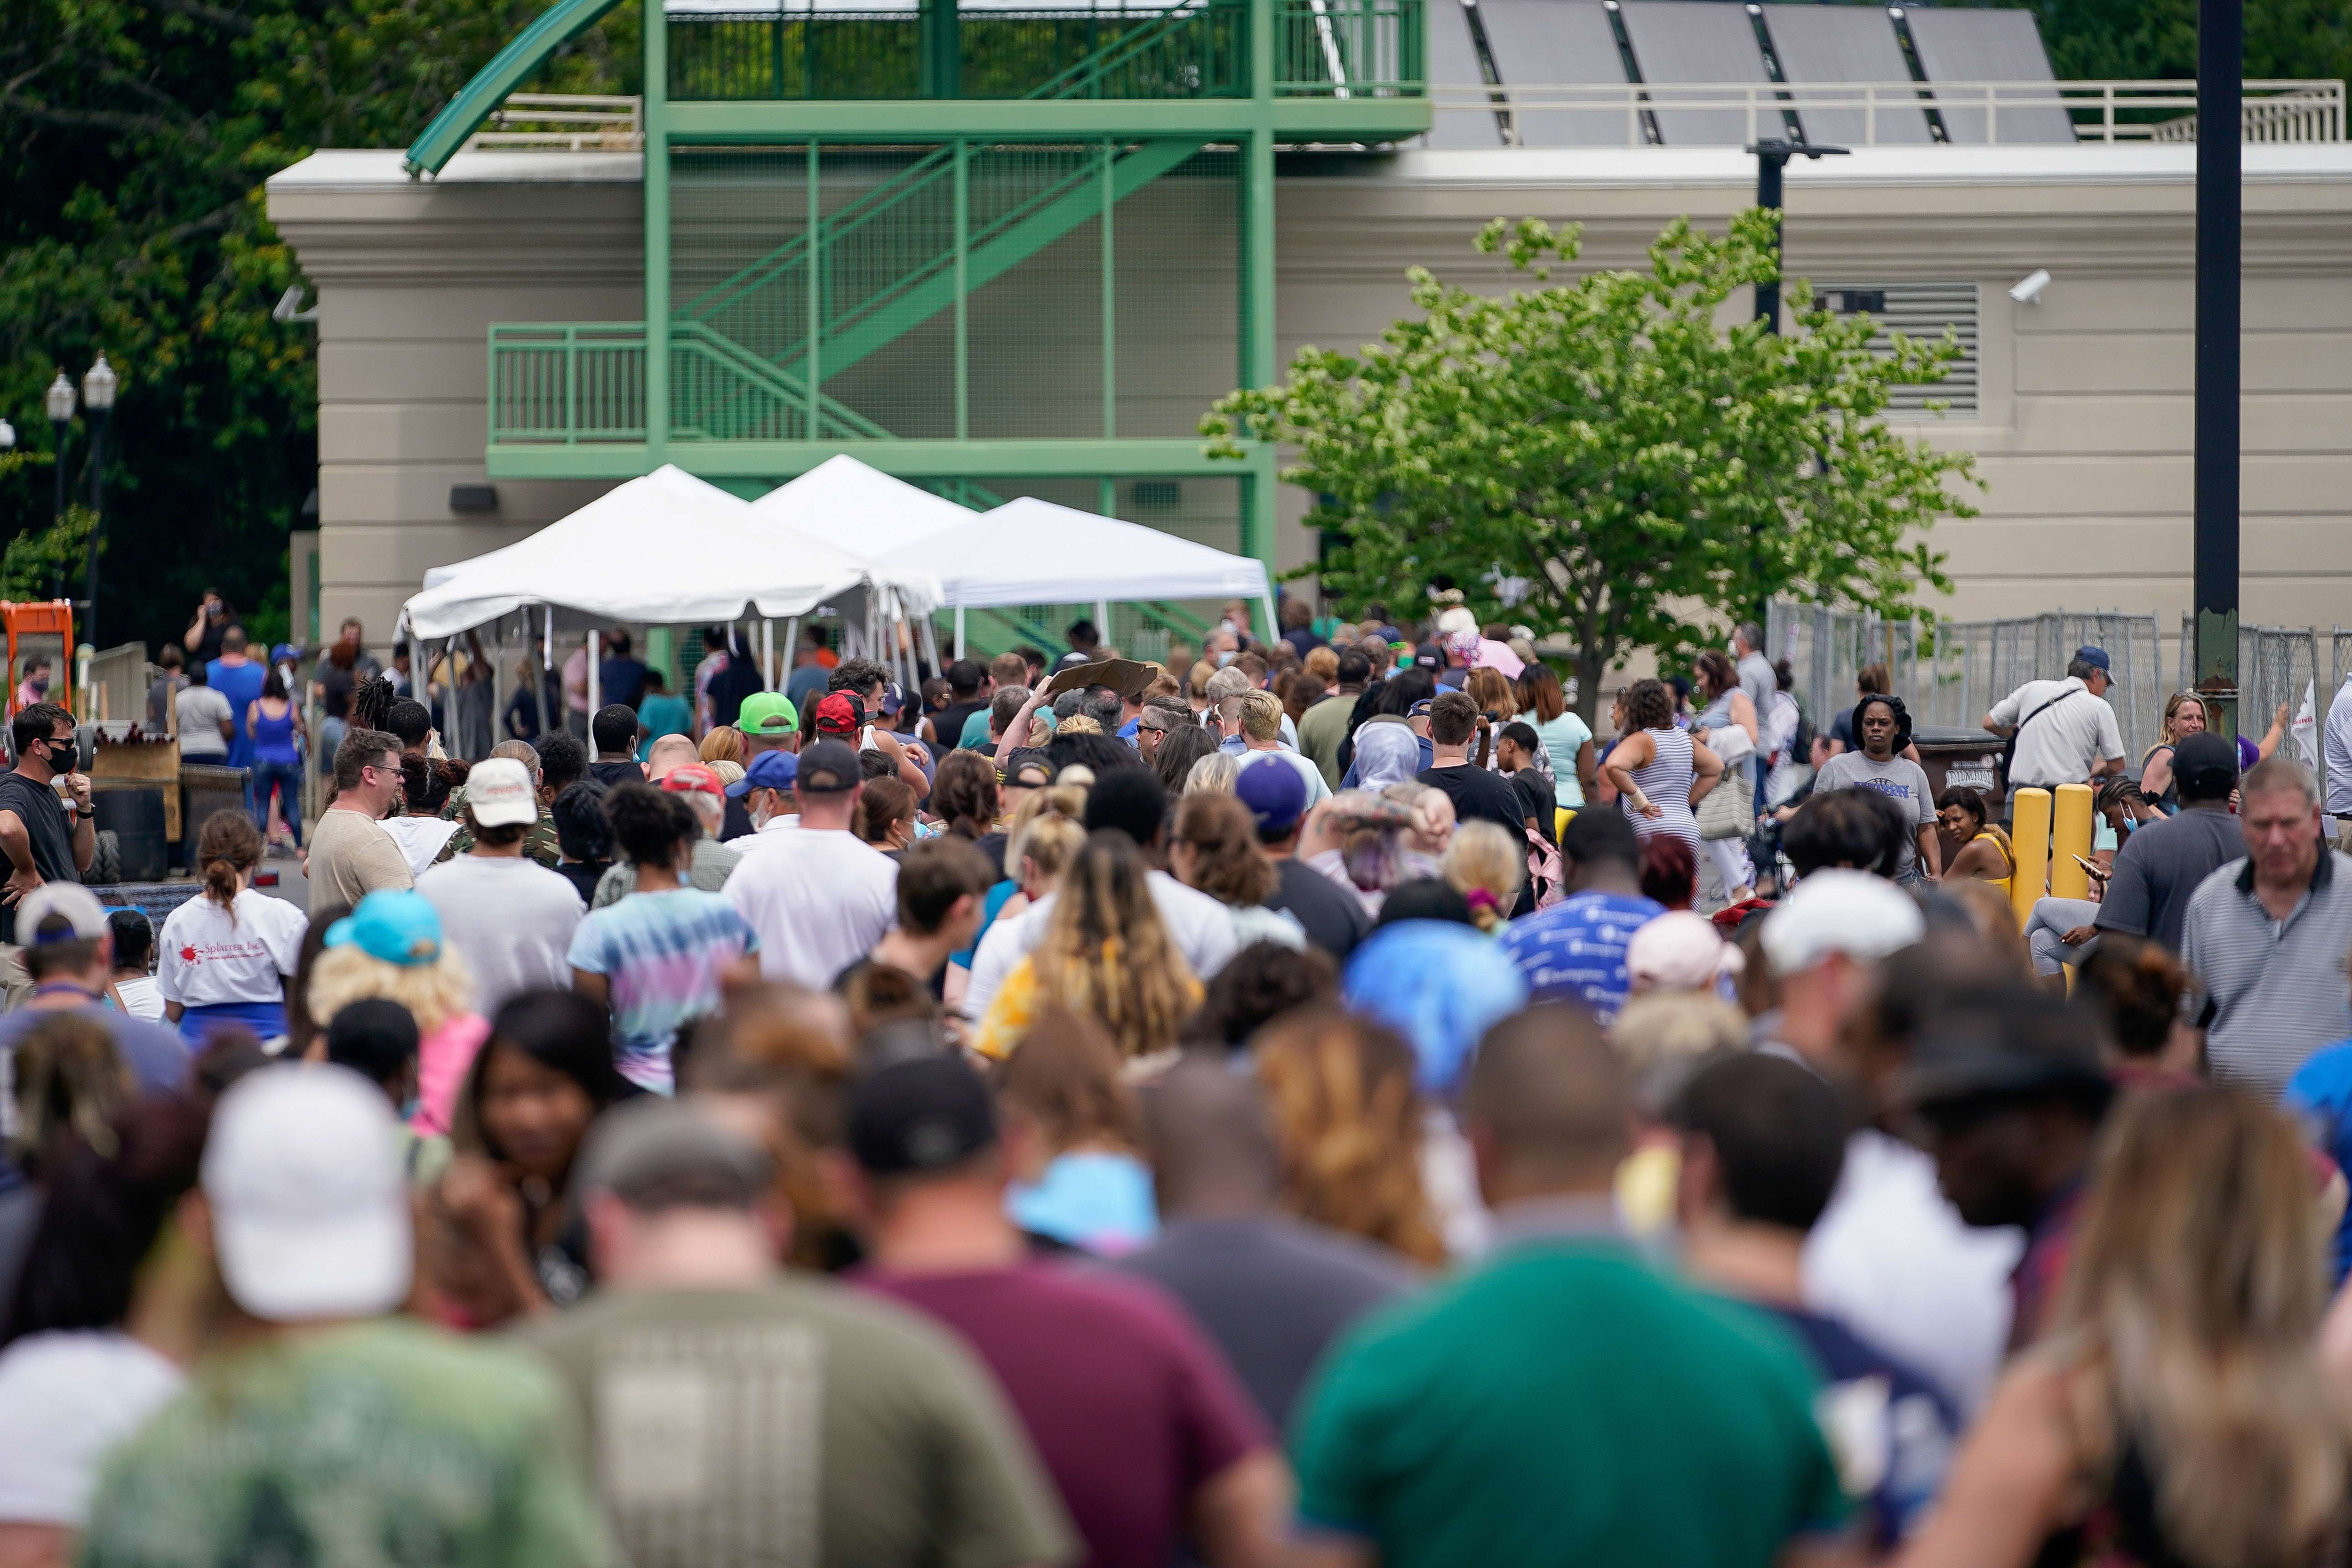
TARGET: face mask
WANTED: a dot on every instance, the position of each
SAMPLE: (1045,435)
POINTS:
(1224,658)
(38,683)
(62,755)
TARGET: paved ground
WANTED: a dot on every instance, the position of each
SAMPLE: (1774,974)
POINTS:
(291,885)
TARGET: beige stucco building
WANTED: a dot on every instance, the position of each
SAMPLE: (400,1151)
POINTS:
(2079,413)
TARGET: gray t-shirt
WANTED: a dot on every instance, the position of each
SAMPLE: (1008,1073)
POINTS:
(1902,781)
(797,1422)
(1272,1292)
(509,919)
(201,711)
(1758,679)
(2160,866)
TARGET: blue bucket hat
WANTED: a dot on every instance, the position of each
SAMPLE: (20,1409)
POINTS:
(768,770)
(1439,984)
(394,925)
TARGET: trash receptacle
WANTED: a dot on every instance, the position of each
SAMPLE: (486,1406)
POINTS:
(204,790)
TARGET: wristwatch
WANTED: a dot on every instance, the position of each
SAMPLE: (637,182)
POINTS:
(85,811)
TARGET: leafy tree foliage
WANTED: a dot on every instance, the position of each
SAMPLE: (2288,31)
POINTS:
(134,138)
(1602,458)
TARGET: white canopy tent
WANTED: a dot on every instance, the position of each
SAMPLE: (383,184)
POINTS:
(1032,552)
(665,549)
(842,497)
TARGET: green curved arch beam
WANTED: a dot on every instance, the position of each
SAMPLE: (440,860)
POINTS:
(508,69)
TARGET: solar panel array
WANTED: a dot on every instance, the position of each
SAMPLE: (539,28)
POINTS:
(1535,45)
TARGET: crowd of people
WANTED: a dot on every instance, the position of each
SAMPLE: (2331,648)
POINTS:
(1314,1102)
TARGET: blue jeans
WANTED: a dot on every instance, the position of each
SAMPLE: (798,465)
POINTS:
(286,778)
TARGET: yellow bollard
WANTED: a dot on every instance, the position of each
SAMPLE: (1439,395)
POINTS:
(2029,835)
(2070,835)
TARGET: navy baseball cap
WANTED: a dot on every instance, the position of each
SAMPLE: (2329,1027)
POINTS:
(919,1115)
(768,770)
(2094,656)
(1275,792)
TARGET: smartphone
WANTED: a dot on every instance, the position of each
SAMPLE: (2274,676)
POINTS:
(2095,869)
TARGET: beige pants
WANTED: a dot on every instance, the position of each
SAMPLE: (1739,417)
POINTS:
(15,985)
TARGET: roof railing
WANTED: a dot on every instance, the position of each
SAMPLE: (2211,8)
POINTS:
(563,122)
(1866,113)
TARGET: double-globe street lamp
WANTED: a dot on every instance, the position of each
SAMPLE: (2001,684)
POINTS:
(98,385)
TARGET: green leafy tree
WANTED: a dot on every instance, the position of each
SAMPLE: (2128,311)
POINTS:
(1601,458)
(134,139)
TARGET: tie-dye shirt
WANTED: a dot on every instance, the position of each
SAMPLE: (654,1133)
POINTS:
(662,955)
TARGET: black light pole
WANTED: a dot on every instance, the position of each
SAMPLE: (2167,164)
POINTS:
(98,384)
(1771,157)
(2221,62)
(59,401)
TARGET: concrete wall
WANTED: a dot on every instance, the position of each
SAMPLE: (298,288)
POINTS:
(2083,432)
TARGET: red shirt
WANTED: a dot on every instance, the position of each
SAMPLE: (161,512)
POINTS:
(1130,1407)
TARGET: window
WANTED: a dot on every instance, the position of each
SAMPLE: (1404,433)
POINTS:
(1922,312)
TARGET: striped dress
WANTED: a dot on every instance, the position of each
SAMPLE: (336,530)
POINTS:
(1665,781)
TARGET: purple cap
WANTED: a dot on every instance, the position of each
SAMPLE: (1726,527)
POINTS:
(1275,792)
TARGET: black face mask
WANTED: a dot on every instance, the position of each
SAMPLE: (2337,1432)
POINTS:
(64,763)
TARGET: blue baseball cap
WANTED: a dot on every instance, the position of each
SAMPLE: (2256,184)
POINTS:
(394,925)
(2097,657)
(1275,792)
(768,770)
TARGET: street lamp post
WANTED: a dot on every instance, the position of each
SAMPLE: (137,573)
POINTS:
(1771,157)
(60,404)
(2220,60)
(98,384)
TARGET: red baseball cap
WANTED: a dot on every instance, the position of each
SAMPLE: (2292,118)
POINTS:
(692,778)
(840,713)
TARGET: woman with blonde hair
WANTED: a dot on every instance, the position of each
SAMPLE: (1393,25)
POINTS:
(227,953)
(390,946)
(2181,1411)
(723,745)
(1487,866)
(1214,850)
(1106,955)
(1348,1124)
(1213,775)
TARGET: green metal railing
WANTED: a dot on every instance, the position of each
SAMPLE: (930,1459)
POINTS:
(1195,51)
(568,385)
(1350,49)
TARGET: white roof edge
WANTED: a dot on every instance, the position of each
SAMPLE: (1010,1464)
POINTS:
(373,168)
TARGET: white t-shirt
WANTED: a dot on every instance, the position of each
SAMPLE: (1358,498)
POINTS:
(65,1399)
(1200,927)
(420,839)
(203,958)
(510,919)
(200,710)
(1891,1259)
(818,898)
(2062,744)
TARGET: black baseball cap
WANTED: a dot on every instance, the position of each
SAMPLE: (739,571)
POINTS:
(2205,765)
(827,767)
(928,1114)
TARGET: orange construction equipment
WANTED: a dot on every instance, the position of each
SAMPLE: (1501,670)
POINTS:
(40,630)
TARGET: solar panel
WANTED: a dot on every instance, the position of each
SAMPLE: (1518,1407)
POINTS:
(1962,45)
(1823,43)
(1554,43)
(1453,63)
(1696,41)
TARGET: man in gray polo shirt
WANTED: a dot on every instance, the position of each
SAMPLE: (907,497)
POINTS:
(2267,936)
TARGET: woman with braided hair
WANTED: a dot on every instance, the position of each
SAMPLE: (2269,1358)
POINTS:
(1882,726)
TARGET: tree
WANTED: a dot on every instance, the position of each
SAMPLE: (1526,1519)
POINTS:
(134,139)
(1599,458)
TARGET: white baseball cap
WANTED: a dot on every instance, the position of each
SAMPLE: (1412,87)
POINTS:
(1833,911)
(498,794)
(76,904)
(310,1215)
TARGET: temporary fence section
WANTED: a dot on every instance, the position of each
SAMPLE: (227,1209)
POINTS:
(1950,673)
(2277,666)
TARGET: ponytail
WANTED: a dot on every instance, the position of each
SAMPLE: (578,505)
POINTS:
(229,846)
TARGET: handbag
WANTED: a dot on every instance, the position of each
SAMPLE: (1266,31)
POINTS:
(1729,811)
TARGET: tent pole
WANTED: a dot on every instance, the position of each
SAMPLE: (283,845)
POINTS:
(791,642)
(1102,621)
(767,655)
(595,691)
(497,675)
(959,631)
(931,644)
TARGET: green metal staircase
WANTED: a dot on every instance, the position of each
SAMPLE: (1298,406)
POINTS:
(888,263)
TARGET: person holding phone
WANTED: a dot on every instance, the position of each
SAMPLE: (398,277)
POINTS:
(211,620)
(47,834)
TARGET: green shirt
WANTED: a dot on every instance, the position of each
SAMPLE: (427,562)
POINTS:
(827,1425)
(381,1443)
(1321,729)
(1566,1405)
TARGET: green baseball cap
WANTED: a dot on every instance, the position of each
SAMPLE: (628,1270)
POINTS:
(768,713)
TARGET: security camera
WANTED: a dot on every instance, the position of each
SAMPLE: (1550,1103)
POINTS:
(2027,291)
